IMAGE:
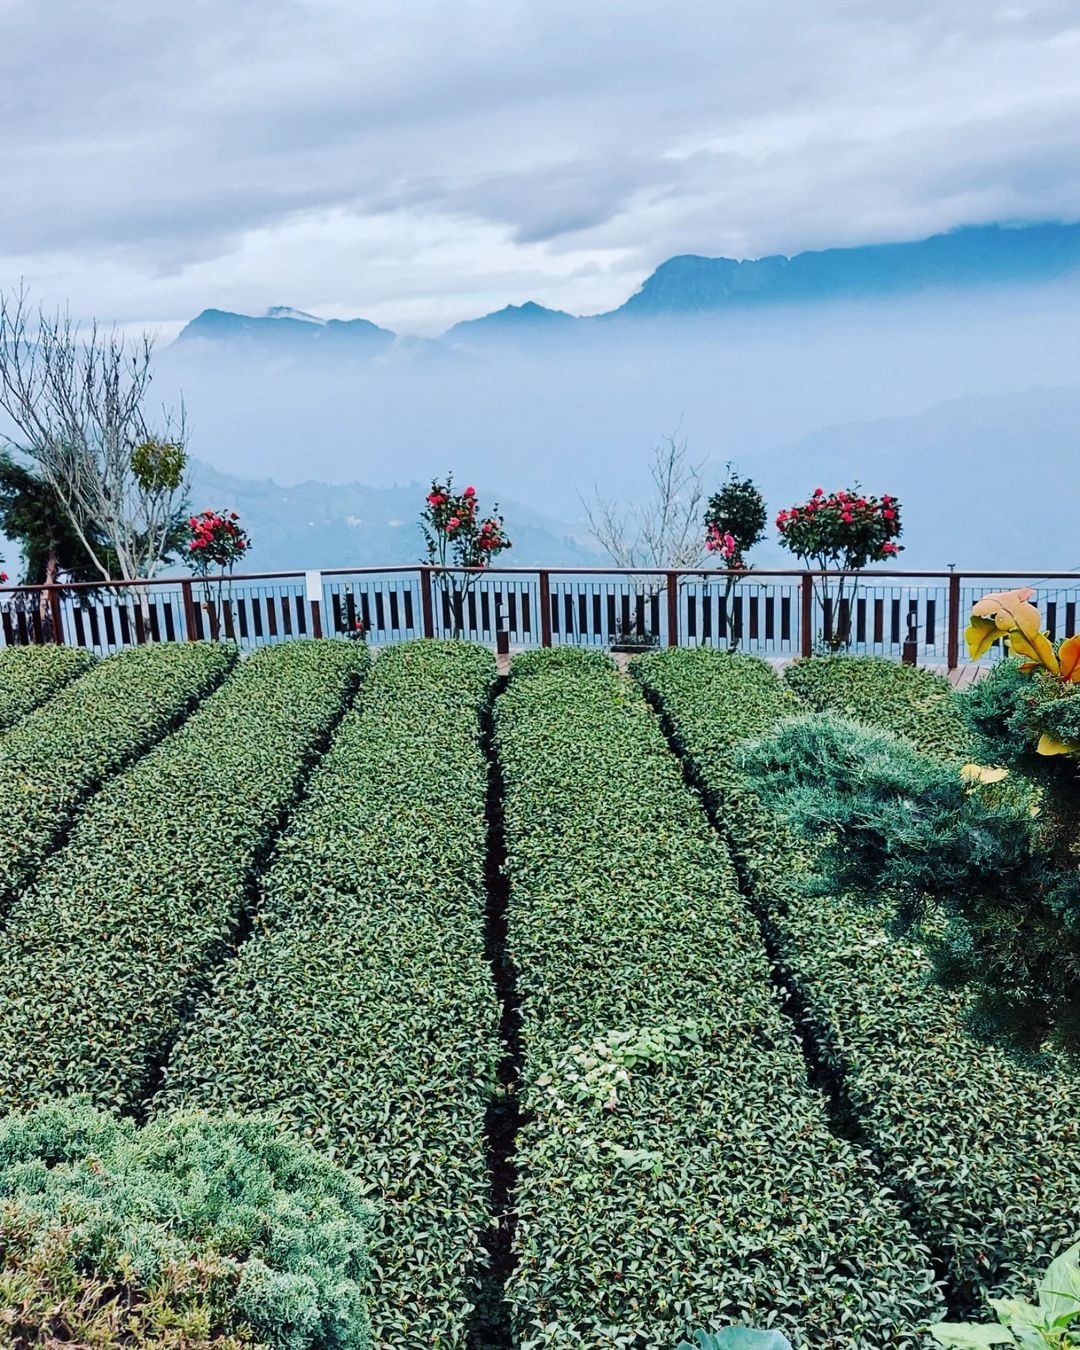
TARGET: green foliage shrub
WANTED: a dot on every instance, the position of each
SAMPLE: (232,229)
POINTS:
(1010,709)
(60,753)
(362,1011)
(544,660)
(915,703)
(101,958)
(194,1231)
(677,1171)
(1053,1320)
(31,675)
(965,867)
(1002,862)
(984,1148)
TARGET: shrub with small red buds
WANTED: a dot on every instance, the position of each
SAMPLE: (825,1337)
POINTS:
(846,529)
(216,542)
(455,535)
(843,530)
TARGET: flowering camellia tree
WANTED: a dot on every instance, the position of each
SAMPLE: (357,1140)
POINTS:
(457,536)
(845,530)
(734,523)
(216,543)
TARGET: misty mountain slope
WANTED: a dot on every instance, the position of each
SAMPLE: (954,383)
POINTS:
(542,422)
(512,321)
(284,329)
(974,256)
(986,481)
(324,525)
(688,285)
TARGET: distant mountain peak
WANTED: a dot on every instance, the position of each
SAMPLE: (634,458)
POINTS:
(528,317)
(287,312)
(284,329)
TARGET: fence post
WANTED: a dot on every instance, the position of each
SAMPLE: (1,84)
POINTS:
(807,624)
(57,612)
(313,586)
(545,609)
(954,621)
(190,626)
(673,609)
(427,617)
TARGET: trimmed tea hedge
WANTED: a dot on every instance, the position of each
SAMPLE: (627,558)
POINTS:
(59,754)
(678,1171)
(916,704)
(985,1150)
(363,1012)
(30,675)
(102,956)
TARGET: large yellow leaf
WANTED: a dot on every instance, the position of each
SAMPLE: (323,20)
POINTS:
(983,773)
(1069,660)
(1035,645)
(1050,745)
(1009,610)
(981,635)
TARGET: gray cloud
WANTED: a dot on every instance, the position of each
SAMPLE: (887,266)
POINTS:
(422,162)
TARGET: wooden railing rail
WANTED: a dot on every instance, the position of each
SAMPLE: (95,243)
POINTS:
(776,612)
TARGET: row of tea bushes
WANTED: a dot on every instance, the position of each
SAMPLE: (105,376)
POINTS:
(362,1012)
(985,1150)
(916,704)
(102,956)
(57,755)
(677,1171)
(31,675)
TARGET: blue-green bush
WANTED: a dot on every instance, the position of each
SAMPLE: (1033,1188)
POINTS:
(193,1231)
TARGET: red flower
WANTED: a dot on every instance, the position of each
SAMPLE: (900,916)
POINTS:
(819,492)
(3,577)
(889,515)
(470,492)
(453,523)
(888,548)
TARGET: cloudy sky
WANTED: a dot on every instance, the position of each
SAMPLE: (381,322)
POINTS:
(417,162)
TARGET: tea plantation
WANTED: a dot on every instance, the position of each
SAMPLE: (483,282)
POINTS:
(386,1001)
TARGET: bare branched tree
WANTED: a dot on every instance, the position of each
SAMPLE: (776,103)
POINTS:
(665,529)
(77,401)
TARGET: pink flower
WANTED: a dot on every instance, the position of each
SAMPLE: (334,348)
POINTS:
(453,523)
(846,517)
(470,492)
(889,515)
(819,492)
(888,548)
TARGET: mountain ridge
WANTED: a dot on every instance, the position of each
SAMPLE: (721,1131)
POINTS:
(968,257)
